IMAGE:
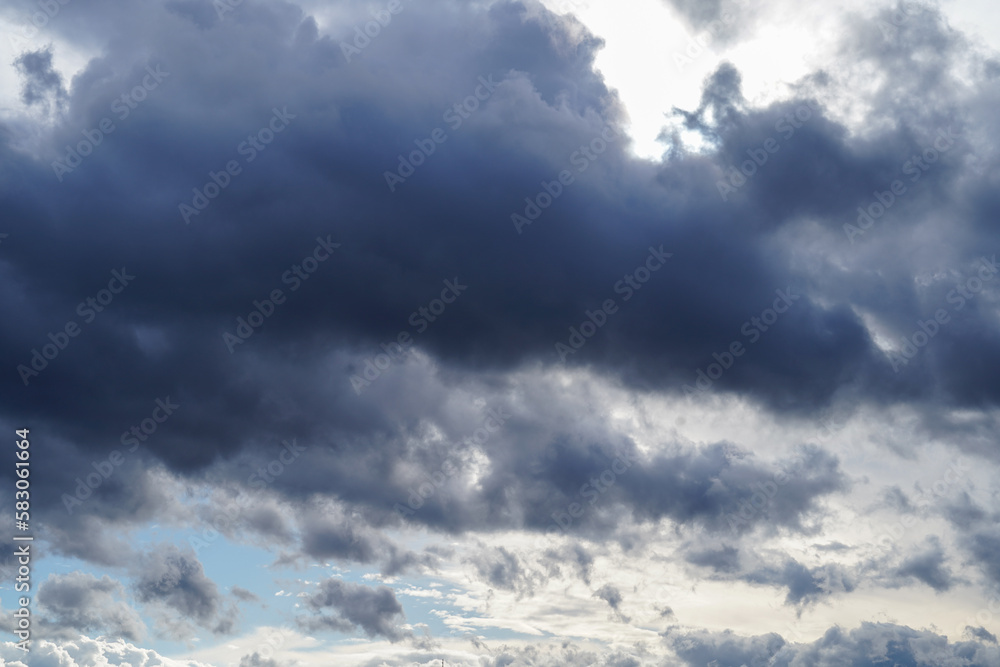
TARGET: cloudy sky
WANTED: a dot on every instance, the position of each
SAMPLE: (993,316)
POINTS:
(502,332)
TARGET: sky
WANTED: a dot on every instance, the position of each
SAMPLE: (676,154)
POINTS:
(497,333)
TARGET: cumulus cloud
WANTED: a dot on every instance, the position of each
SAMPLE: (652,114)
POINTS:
(773,296)
(78,603)
(175,580)
(374,610)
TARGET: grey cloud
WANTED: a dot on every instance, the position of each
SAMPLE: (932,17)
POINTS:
(501,568)
(928,567)
(610,594)
(176,580)
(374,610)
(244,595)
(77,603)
(868,644)
(982,634)
(257,660)
(42,86)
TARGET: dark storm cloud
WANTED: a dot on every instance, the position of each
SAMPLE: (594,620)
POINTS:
(163,335)
(92,528)
(374,610)
(77,603)
(322,179)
